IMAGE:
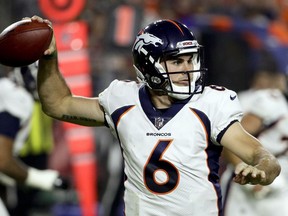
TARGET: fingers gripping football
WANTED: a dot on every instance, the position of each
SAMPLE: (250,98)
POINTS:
(247,174)
(52,47)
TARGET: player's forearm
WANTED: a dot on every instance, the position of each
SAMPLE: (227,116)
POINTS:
(17,172)
(52,87)
(14,169)
(10,165)
(230,157)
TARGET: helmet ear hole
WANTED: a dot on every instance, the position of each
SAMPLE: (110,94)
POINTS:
(156,80)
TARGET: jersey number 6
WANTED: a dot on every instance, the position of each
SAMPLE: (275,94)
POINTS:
(156,163)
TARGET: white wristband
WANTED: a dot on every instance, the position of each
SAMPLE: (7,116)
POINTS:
(41,179)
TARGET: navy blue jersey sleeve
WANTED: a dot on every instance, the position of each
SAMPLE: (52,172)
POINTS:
(9,124)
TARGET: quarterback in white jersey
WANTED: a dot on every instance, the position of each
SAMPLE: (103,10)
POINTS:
(271,107)
(171,128)
(171,156)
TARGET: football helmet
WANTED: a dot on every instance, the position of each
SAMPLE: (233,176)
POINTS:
(160,41)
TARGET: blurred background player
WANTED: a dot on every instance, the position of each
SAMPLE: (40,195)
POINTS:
(35,152)
(16,109)
(266,117)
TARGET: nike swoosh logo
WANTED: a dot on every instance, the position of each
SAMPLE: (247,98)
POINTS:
(232,97)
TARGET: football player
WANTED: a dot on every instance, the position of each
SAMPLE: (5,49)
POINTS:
(16,107)
(170,126)
(266,117)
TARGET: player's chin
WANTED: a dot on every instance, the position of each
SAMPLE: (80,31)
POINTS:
(181,83)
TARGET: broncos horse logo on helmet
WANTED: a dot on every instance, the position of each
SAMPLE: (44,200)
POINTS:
(156,43)
(146,39)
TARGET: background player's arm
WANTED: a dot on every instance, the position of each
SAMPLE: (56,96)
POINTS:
(9,165)
(18,172)
(56,97)
(252,123)
(260,166)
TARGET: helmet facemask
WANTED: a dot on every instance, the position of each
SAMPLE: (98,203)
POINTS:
(192,76)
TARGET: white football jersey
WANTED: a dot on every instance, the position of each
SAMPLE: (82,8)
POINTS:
(271,106)
(19,103)
(171,156)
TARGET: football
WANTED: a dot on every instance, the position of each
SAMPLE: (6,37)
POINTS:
(24,42)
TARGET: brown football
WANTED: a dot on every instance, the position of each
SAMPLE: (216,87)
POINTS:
(24,42)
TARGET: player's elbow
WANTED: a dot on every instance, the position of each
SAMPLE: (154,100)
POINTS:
(54,108)
(51,110)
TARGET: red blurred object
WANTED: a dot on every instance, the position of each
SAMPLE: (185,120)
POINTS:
(61,10)
(74,63)
(71,36)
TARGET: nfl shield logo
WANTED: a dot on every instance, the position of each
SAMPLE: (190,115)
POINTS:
(159,122)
